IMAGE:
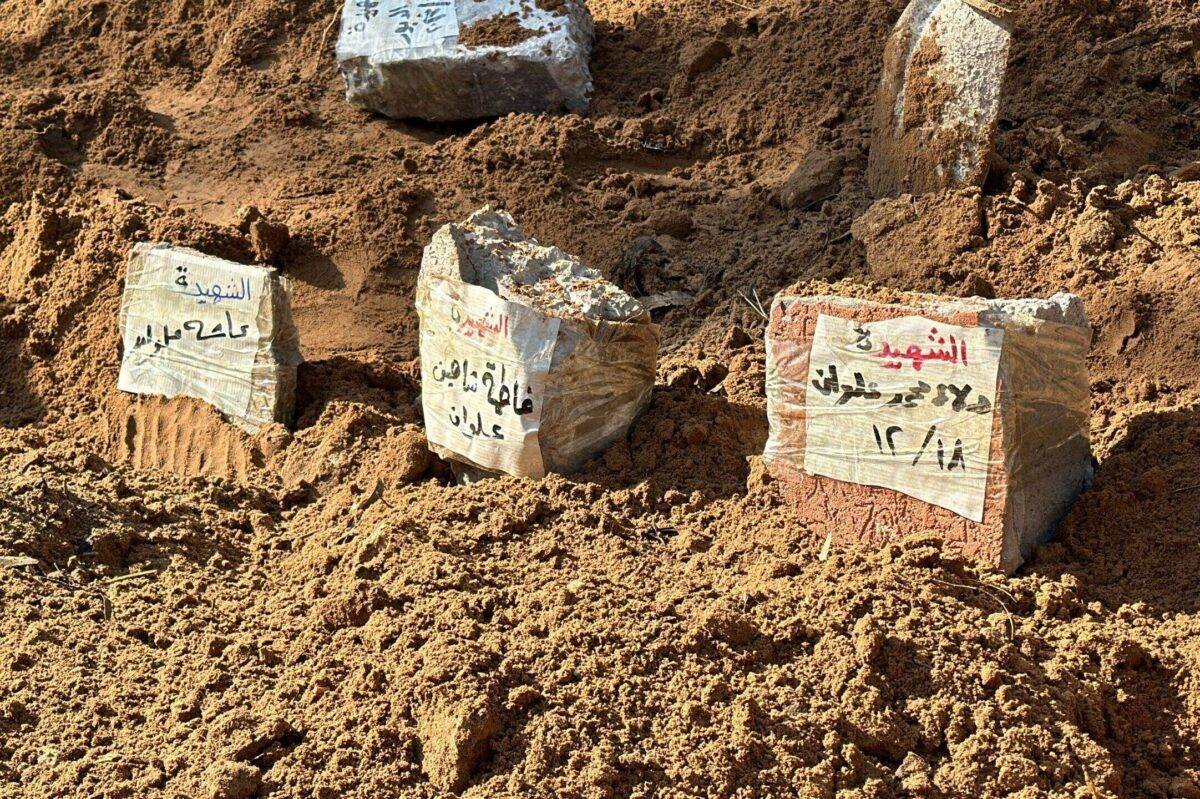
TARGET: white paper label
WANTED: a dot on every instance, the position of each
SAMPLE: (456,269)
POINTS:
(483,371)
(372,27)
(905,404)
(192,326)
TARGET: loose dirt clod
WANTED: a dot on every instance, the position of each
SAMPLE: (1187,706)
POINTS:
(815,179)
(454,740)
(233,781)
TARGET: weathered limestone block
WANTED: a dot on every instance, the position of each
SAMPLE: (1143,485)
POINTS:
(939,98)
(531,362)
(963,417)
(444,60)
(198,326)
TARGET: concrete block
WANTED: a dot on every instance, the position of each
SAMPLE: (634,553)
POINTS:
(531,362)
(198,326)
(939,98)
(963,417)
(444,60)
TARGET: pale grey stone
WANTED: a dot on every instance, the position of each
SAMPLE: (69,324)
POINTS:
(405,58)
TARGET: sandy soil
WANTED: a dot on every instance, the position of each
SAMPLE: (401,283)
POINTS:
(318,612)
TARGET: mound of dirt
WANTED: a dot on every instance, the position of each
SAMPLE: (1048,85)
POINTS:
(319,611)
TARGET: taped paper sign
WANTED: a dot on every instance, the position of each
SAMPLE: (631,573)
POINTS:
(905,404)
(203,327)
(374,27)
(483,374)
(412,59)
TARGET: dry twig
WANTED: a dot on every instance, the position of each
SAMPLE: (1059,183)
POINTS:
(321,46)
(981,588)
(130,576)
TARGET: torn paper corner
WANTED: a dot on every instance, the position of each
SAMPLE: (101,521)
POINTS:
(199,326)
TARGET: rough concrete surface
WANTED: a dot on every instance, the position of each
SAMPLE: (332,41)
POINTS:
(489,250)
(939,98)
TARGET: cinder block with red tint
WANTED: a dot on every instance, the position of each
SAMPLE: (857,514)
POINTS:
(1037,460)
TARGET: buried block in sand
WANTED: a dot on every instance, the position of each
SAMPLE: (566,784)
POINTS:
(939,98)
(444,60)
(197,326)
(531,362)
(966,418)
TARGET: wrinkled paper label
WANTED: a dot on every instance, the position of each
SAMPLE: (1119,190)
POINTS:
(905,404)
(192,325)
(372,27)
(484,363)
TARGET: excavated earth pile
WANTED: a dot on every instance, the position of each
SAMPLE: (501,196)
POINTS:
(317,610)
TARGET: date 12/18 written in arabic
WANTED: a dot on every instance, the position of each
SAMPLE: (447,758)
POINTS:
(888,435)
